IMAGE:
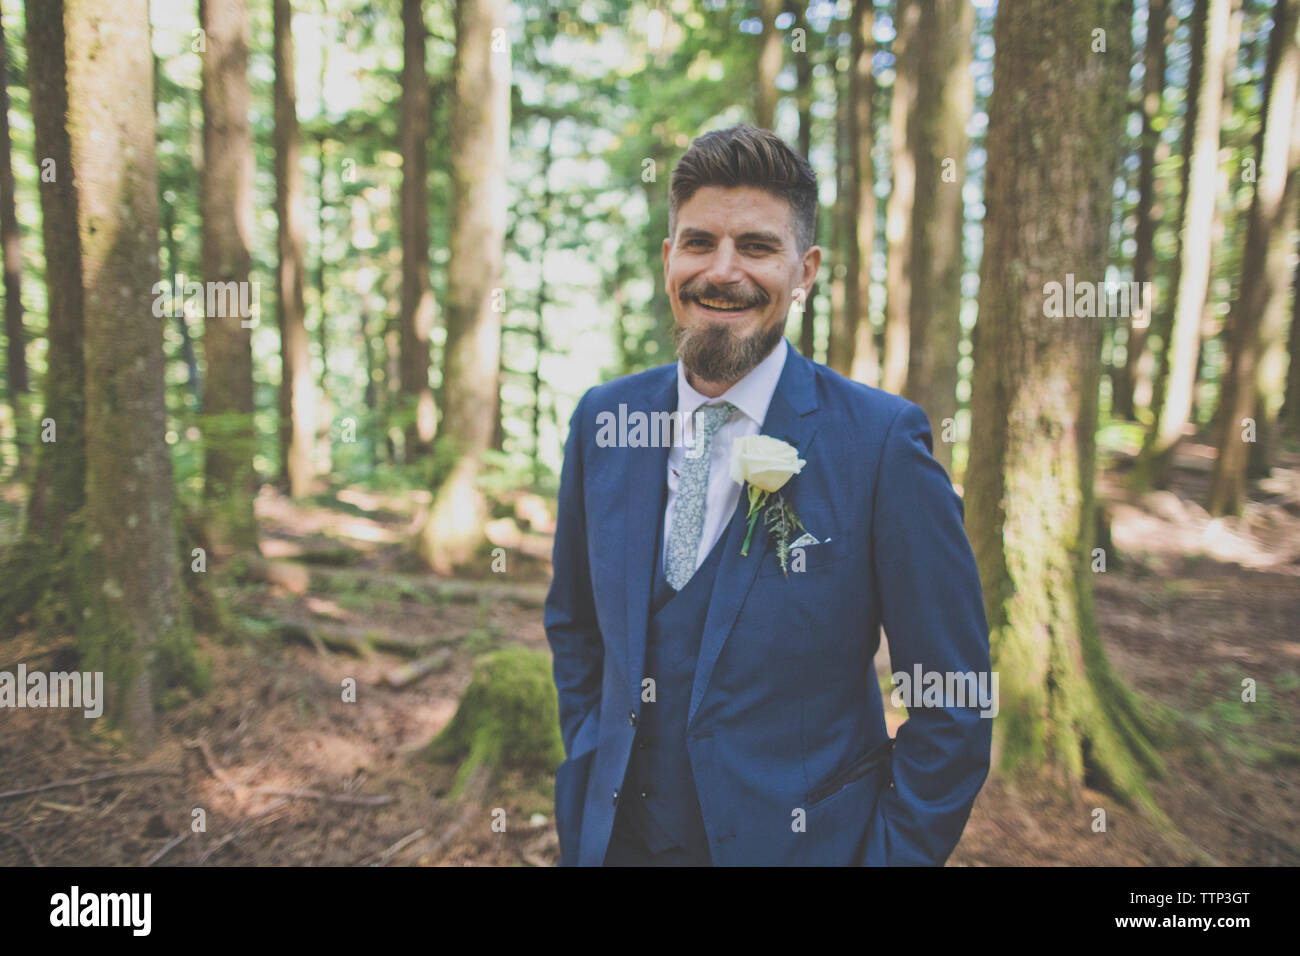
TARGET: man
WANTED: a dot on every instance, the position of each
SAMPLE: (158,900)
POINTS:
(718,703)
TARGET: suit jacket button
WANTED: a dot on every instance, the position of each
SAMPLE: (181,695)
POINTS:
(615,796)
(631,717)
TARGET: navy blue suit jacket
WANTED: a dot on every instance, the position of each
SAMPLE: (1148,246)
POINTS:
(786,733)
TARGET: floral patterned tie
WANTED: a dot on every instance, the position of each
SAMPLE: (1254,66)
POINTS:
(692,493)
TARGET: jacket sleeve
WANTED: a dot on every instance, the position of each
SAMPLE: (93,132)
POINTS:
(933,615)
(570,615)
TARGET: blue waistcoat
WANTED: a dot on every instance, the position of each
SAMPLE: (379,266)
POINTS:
(662,805)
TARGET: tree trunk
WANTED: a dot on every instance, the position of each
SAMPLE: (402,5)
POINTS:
(803,94)
(137,621)
(417,294)
(1225,172)
(480,135)
(769,65)
(297,398)
(226,208)
(1055,119)
(902,193)
(1154,58)
(944,100)
(59,484)
(840,217)
(1290,419)
(325,418)
(1257,319)
(1171,399)
(15,335)
(853,345)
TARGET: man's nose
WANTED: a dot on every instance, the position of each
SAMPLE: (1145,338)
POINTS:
(724,265)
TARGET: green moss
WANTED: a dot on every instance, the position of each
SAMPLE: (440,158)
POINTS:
(508,719)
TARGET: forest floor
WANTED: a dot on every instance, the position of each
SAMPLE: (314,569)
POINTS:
(286,772)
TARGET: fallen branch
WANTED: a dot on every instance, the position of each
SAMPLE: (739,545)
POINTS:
(6,794)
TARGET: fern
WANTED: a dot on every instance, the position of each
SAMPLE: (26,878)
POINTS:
(783,523)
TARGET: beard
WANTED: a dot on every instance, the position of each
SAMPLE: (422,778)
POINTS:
(714,352)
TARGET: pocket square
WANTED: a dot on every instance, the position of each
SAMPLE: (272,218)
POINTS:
(804,540)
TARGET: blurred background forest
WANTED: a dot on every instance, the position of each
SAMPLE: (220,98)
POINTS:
(301,294)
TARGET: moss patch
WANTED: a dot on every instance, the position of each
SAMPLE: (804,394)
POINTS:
(509,718)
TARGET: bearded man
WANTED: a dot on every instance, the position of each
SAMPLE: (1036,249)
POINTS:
(717,602)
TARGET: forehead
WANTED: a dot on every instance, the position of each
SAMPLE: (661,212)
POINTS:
(734,210)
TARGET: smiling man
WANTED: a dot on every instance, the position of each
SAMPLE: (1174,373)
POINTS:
(716,608)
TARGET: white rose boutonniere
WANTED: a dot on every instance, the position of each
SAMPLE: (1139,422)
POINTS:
(767,463)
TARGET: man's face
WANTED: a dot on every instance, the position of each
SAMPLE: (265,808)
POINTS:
(731,276)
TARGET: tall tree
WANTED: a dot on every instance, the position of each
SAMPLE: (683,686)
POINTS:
(902,192)
(852,348)
(1055,117)
(480,134)
(15,335)
(59,485)
(417,294)
(1257,317)
(297,399)
(226,209)
(768,66)
(937,143)
(1171,399)
(803,66)
(138,619)
(1154,58)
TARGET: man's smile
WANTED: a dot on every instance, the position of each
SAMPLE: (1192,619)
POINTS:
(721,307)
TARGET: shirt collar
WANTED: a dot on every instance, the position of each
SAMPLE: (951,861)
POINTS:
(752,394)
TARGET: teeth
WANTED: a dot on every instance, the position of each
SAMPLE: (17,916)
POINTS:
(721,304)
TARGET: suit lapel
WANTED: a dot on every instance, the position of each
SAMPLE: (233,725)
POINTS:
(789,418)
(647,487)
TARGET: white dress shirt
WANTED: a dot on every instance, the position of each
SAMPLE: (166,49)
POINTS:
(751,396)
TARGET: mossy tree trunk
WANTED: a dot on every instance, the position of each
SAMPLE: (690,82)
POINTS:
(1257,320)
(480,129)
(1055,120)
(297,398)
(1180,327)
(226,211)
(417,294)
(509,718)
(940,62)
(136,620)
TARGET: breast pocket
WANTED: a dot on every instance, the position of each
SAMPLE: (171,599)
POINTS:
(802,560)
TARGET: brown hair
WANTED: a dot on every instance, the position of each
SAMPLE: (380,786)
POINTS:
(745,155)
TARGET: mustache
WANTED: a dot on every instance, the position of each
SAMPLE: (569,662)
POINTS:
(707,290)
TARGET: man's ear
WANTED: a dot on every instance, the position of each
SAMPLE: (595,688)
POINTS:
(668,245)
(812,262)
